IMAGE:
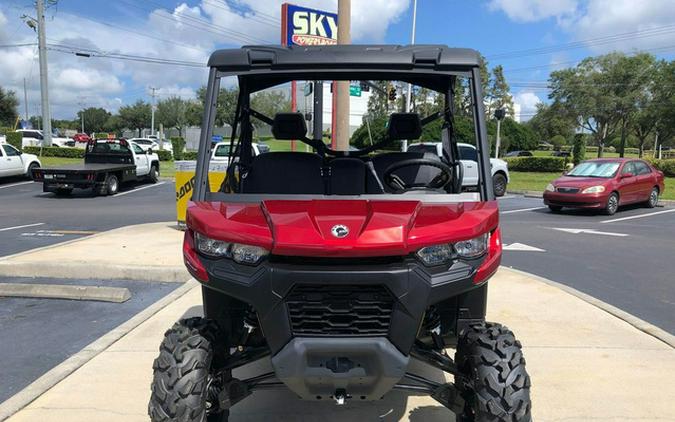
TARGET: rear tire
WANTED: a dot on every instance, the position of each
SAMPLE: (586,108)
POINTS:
(112,184)
(653,200)
(612,204)
(181,373)
(499,184)
(498,386)
(555,208)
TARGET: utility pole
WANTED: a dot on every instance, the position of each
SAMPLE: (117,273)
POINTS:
(409,96)
(500,113)
(82,104)
(25,100)
(44,89)
(153,107)
(342,88)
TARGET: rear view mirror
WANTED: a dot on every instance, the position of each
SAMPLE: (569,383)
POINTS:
(289,126)
(404,126)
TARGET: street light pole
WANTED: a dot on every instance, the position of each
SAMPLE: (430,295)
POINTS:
(409,96)
(44,89)
(500,113)
(152,107)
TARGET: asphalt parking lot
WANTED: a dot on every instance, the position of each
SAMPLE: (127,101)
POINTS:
(625,260)
(30,218)
(38,334)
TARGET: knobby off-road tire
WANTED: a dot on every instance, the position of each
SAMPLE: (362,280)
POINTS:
(181,373)
(497,388)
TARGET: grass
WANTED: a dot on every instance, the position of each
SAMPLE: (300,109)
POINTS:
(534,181)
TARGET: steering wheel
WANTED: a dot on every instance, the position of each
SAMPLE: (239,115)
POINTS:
(398,185)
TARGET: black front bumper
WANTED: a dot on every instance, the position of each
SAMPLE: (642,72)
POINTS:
(389,298)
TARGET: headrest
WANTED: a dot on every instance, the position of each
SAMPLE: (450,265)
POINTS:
(288,126)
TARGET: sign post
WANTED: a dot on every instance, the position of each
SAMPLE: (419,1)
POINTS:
(305,26)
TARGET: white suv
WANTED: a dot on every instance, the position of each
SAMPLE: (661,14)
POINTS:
(34,137)
(469,158)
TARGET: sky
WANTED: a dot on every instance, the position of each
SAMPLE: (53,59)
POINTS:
(529,38)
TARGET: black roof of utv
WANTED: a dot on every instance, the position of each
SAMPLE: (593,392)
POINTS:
(269,62)
(373,56)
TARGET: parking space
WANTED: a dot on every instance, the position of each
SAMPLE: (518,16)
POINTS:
(623,259)
(30,218)
(44,332)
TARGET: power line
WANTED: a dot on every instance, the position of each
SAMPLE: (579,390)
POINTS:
(257,16)
(89,52)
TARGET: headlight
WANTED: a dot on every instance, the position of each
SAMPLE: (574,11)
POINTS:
(472,248)
(550,187)
(440,254)
(435,255)
(594,189)
(247,254)
(212,247)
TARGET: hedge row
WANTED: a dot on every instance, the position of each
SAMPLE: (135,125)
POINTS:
(56,152)
(666,166)
(543,164)
(15,139)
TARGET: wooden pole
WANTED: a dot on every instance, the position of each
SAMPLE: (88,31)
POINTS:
(342,91)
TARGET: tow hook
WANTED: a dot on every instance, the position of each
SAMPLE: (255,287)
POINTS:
(340,396)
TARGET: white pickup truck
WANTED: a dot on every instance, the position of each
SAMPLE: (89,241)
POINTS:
(221,151)
(14,163)
(469,158)
(33,138)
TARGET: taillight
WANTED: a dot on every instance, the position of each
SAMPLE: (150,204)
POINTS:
(191,259)
(489,266)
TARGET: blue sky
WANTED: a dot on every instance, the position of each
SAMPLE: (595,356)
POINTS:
(189,30)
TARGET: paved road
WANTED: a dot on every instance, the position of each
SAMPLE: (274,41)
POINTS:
(30,218)
(625,261)
(38,334)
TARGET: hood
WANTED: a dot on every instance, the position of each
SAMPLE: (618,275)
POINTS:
(580,182)
(342,228)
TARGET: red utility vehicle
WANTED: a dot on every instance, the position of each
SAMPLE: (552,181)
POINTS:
(341,267)
(81,137)
(605,184)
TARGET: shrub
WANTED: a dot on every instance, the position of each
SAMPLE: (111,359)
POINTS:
(666,166)
(15,139)
(101,135)
(543,164)
(178,145)
(558,142)
(4,130)
(164,155)
(190,155)
(56,152)
(578,149)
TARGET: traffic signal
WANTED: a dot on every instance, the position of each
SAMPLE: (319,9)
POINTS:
(392,94)
(365,87)
(500,113)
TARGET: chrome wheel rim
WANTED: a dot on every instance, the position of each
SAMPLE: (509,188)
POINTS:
(613,203)
(654,197)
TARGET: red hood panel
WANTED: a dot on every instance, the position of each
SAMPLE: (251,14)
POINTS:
(376,228)
(580,182)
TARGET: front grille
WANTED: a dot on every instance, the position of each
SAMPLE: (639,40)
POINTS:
(568,190)
(340,310)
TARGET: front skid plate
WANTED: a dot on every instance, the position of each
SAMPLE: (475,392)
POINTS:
(316,368)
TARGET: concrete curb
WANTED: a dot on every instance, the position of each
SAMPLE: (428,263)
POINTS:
(537,194)
(70,365)
(77,270)
(636,322)
(65,291)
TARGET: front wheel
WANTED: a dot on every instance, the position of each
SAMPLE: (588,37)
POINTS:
(112,184)
(653,200)
(153,176)
(499,183)
(496,387)
(555,208)
(612,204)
(31,167)
(182,374)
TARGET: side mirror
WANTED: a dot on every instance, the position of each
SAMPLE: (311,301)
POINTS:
(626,175)
(148,151)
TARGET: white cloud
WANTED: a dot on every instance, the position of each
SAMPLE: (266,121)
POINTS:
(187,33)
(528,104)
(534,10)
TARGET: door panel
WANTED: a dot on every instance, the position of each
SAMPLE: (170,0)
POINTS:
(141,161)
(645,181)
(13,164)
(628,185)
(469,159)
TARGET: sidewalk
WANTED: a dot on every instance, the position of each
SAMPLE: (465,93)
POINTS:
(585,364)
(144,252)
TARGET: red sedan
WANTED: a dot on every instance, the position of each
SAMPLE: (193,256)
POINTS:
(605,184)
(81,137)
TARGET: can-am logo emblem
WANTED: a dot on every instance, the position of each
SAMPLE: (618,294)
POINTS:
(339,231)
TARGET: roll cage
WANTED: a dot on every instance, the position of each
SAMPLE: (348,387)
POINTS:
(260,67)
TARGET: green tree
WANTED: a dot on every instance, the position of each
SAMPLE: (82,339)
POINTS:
(8,107)
(578,149)
(225,106)
(498,93)
(269,103)
(664,102)
(552,120)
(558,141)
(95,119)
(378,103)
(135,116)
(172,113)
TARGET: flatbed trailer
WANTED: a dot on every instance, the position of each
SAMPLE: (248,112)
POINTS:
(107,164)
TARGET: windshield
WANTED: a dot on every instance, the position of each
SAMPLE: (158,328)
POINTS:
(594,169)
(431,149)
